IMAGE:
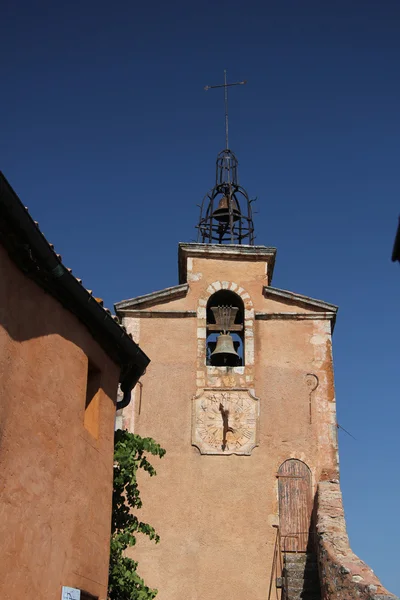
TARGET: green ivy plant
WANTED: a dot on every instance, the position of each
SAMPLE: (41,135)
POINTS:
(129,455)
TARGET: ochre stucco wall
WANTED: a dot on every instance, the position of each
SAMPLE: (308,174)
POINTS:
(215,513)
(56,478)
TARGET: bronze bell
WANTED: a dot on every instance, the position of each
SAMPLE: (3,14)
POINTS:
(225,354)
(222,212)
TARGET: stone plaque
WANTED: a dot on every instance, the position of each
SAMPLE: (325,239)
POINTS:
(225,421)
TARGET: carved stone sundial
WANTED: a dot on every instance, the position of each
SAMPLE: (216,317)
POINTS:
(225,421)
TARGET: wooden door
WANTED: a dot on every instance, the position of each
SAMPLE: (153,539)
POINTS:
(295,505)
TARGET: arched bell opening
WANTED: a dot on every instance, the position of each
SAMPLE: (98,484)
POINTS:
(225,330)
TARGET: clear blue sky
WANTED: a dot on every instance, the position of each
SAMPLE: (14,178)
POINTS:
(107,135)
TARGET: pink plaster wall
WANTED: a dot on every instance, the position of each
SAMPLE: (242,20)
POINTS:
(55,477)
(215,513)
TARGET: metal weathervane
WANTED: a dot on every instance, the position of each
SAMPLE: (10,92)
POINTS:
(225,213)
(225,85)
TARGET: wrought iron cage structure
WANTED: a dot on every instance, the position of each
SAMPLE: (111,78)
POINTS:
(226,213)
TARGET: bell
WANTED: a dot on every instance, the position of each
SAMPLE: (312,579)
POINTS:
(222,212)
(225,354)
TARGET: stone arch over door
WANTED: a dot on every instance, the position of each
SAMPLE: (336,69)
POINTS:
(295,504)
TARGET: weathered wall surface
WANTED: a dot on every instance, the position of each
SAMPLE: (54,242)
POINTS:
(215,513)
(55,477)
(343,575)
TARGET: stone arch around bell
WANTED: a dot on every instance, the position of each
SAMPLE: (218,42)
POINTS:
(248,326)
(225,315)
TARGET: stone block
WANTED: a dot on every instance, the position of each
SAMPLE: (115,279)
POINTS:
(202,312)
(201,333)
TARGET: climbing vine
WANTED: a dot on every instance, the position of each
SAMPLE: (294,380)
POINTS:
(130,454)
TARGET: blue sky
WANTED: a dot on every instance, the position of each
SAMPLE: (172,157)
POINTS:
(107,135)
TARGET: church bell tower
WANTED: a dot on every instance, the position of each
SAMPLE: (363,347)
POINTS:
(240,392)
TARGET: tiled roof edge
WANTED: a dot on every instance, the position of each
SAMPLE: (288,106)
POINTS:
(38,260)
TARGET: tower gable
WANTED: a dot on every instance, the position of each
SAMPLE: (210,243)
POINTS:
(164,296)
(282,304)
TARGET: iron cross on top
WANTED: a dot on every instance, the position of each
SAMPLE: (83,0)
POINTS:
(225,85)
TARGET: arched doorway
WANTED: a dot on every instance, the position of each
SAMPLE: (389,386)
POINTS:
(295,504)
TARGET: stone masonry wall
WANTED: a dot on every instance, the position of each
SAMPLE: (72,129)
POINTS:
(343,575)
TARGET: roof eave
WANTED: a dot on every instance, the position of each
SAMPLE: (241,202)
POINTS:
(41,263)
(300,299)
(153,299)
